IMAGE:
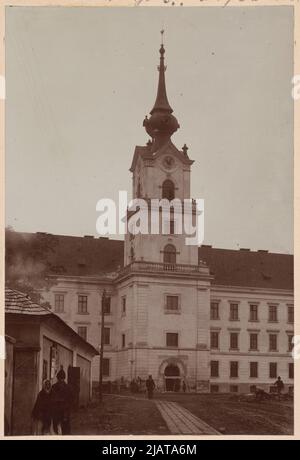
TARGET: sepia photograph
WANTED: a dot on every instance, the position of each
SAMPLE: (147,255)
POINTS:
(149,221)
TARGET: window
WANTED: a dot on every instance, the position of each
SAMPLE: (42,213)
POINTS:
(273,313)
(214,340)
(172,227)
(168,190)
(59,300)
(82,331)
(123,306)
(234,369)
(214,368)
(139,190)
(290,314)
(273,370)
(214,388)
(234,312)
(172,339)
(291,370)
(172,302)
(253,369)
(106,306)
(290,342)
(170,254)
(253,341)
(273,342)
(253,312)
(234,340)
(214,310)
(82,304)
(123,341)
(106,336)
(234,389)
(106,367)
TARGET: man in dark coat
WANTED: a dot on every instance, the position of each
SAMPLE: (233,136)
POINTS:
(42,410)
(150,385)
(61,404)
(280,386)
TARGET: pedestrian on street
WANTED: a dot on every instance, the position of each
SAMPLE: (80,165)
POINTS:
(42,410)
(61,404)
(280,386)
(150,385)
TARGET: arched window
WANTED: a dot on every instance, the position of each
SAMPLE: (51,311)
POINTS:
(169,254)
(168,190)
(139,190)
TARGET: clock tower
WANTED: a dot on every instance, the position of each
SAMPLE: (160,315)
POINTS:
(161,172)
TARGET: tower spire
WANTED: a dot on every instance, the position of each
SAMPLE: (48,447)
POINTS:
(162,102)
(162,124)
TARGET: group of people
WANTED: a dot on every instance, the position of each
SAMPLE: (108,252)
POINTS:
(136,385)
(52,409)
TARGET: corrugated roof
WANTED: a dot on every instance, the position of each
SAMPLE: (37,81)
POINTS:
(88,256)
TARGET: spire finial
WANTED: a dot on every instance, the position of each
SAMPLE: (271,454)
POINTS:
(162,102)
(162,124)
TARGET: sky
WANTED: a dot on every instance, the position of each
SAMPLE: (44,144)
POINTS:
(79,82)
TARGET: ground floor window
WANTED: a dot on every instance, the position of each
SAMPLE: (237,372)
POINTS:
(234,389)
(273,370)
(106,367)
(291,370)
(214,388)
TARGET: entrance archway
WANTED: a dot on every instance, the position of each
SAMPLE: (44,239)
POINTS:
(172,378)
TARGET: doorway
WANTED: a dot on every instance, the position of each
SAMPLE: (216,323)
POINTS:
(172,378)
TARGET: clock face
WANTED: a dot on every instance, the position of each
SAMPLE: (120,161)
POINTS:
(169,162)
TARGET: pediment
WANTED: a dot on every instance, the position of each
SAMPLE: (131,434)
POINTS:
(171,149)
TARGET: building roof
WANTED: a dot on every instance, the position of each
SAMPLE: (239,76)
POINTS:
(69,255)
(17,303)
(89,256)
(247,268)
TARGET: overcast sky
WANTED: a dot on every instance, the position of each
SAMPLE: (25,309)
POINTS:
(80,81)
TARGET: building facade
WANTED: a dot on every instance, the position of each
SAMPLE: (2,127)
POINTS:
(40,343)
(217,320)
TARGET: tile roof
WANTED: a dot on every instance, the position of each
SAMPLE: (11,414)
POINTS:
(17,302)
(88,256)
(249,268)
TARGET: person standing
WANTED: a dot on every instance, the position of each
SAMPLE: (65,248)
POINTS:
(150,385)
(61,404)
(280,386)
(42,410)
